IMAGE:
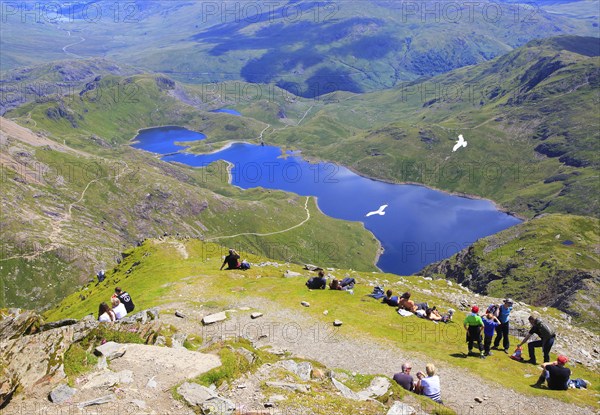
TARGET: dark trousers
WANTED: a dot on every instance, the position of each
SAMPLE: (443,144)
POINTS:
(487,342)
(545,345)
(502,334)
(474,335)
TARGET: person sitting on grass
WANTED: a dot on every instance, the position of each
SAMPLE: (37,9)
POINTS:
(474,326)
(405,303)
(118,308)
(391,300)
(317,283)
(346,284)
(232,260)
(490,322)
(430,385)
(404,378)
(556,374)
(105,314)
(434,315)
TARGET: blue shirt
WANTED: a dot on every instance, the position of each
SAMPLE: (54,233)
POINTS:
(489,326)
(504,314)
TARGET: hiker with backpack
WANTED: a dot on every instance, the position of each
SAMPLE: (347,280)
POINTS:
(474,326)
(546,334)
(503,314)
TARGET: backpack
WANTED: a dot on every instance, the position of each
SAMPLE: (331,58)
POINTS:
(377,293)
(492,308)
(245,265)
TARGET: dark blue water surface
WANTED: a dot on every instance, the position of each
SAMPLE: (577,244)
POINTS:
(420,225)
(161,140)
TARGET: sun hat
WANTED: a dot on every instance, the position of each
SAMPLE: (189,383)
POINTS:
(475,309)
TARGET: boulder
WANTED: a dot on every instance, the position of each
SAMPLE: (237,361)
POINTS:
(345,390)
(337,323)
(399,408)
(256,315)
(178,339)
(208,401)
(111,350)
(62,393)
(378,387)
(302,369)
(291,274)
(305,303)
(214,318)
(107,379)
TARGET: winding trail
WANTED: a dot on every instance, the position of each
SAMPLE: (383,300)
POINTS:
(57,226)
(270,233)
(64,49)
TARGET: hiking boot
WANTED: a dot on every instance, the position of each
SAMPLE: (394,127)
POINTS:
(489,353)
(506,351)
(482,356)
(533,362)
(494,347)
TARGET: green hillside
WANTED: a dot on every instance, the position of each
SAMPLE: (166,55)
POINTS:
(522,115)
(156,274)
(72,203)
(551,260)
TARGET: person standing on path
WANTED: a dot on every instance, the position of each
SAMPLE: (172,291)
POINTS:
(503,314)
(546,334)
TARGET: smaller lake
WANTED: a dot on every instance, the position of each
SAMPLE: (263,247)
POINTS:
(228,111)
(420,225)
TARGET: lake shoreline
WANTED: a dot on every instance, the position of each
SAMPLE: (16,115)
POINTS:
(315,160)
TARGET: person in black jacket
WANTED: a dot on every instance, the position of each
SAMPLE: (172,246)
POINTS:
(125,299)
(556,374)
(232,260)
(546,334)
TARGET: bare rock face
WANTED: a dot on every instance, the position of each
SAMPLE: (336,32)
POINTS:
(30,357)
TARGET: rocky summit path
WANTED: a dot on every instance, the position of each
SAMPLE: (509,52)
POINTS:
(281,329)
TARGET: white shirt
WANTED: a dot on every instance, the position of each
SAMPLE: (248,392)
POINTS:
(431,387)
(104,318)
(120,311)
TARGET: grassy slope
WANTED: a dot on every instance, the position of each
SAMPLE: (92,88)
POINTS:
(531,263)
(159,273)
(136,196)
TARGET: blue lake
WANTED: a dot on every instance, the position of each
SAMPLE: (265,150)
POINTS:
(420,225)
(228,111)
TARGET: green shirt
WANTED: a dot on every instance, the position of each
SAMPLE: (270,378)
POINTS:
(473,320)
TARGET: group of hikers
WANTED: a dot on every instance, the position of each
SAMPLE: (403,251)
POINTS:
(406,306)
(320,283)
(480,330)
(122,304)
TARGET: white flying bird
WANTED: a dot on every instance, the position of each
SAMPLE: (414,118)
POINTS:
(460,143)
(379,211)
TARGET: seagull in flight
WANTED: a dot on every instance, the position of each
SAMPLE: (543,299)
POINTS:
(460,143)
(379,211)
